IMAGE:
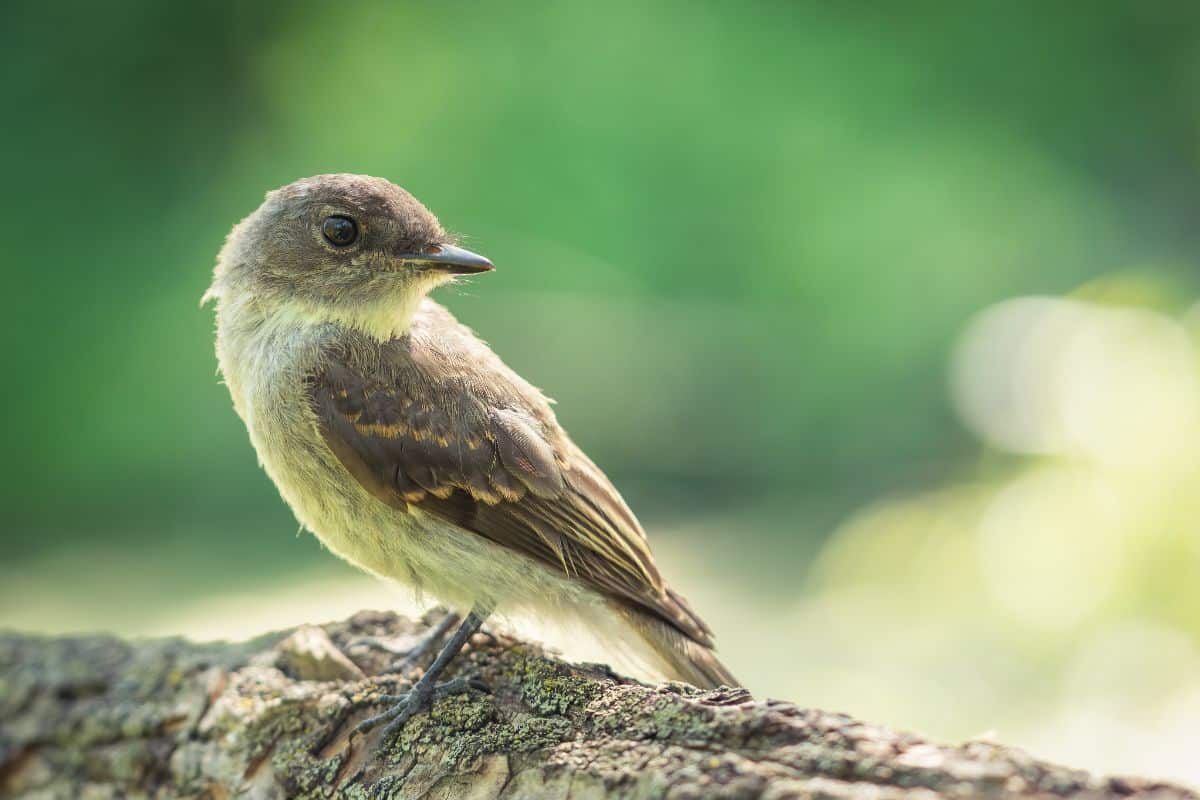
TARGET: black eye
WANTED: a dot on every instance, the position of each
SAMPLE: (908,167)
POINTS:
(340,231)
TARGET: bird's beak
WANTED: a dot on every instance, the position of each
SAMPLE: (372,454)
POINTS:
(450,259)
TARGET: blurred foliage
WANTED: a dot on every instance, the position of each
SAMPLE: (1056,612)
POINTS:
(739,243)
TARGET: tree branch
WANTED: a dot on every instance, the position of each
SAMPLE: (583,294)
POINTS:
(95,716)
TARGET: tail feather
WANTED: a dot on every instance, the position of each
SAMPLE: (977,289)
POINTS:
(682,657)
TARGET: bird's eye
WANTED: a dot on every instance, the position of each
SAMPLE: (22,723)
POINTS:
(339,230)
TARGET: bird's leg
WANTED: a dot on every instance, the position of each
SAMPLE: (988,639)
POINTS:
(429,643)
(427,689)
(413,655)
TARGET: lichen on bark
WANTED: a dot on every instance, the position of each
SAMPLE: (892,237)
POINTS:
(96,717)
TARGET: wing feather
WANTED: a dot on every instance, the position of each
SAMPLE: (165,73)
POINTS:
(437,422)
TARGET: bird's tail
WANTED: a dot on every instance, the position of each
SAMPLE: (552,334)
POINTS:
(681,657)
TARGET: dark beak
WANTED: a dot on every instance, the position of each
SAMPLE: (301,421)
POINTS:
(451,259)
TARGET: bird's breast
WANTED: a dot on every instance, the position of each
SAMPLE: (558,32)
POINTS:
(266,363)
(266,366)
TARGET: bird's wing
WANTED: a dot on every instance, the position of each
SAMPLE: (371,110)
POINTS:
(439,423)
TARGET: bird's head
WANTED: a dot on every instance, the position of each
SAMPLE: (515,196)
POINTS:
(340,248)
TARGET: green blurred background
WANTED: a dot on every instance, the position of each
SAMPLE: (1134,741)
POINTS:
(881,319)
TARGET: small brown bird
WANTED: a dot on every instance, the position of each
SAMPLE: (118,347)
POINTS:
(408,447)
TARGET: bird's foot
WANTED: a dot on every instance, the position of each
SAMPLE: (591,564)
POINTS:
(408,704)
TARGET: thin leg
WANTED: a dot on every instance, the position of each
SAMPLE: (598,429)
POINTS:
(431,641)
(423,693)
(469,627)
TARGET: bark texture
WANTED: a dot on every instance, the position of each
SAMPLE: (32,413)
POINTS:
(97,717)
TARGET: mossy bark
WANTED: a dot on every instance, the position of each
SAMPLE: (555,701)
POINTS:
(97,717)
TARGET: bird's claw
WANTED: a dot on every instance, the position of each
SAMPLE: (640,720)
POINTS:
(416,700)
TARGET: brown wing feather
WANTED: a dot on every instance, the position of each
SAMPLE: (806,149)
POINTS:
(436,421)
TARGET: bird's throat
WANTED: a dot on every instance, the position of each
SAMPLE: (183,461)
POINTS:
(388,319)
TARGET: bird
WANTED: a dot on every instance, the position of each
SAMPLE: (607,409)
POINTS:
(405,444)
